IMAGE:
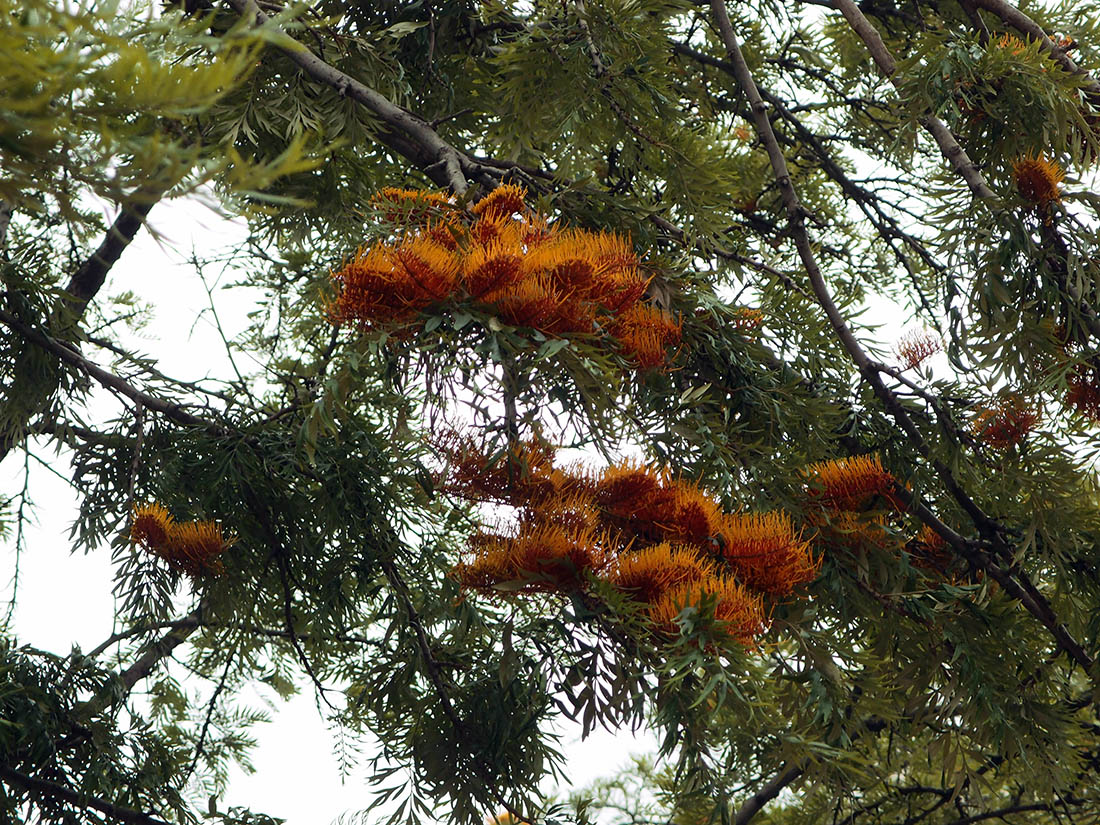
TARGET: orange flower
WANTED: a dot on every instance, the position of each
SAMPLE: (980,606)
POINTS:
(1083,393)
(645,333)
(150,525)
(1005,424)
(682,514)
(520,475)
(747,319)
(851,483)
(930,552)
(623,487)
(532,302)
(547,558)
(494,266)
(404,204)
(1012,43)
(191,547)
(431,271)
(504,201)
(1037,179)
(737,612)
(766,553)
(649,573)
(916,347)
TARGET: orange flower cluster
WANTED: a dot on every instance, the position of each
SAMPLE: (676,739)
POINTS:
(1084,391)
(852,484)
(747,319)
(190,547)
(1038,179)
(659,540)
(1004,424)
(917,347)
(508,260)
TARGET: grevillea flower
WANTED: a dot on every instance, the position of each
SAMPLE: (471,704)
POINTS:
(916,347)
(680,513)
(194,546)
(622,487)
(1037,179)
(191,547)
(404,204)
(1011,43)
(502,202)
(150,526)
(855,532)
(547,558)
(512,262)
(495,266)
(645,333)
(520,475)
(737,612)
(851,483)
(747,319)
(532,302)
(766,553)
(1005,423)
(649,573)
(1083,393)
(930,552)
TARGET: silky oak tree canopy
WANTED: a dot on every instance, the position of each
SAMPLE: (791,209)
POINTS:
(727,370)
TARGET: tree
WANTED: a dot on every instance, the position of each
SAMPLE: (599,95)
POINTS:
(839,583)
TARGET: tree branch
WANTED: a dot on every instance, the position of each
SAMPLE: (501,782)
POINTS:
(1024,591)
(409,135)
(56,791)
(949,145)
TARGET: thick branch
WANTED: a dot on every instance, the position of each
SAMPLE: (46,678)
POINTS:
(90,277)
(149,657)
(950,147)
(108,379)
(766,794)
(408,135)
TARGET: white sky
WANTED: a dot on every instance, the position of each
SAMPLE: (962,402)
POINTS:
(64,599)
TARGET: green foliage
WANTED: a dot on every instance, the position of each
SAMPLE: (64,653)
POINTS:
(912,681)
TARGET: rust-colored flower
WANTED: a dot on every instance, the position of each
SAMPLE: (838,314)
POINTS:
(747,319)
(150,525)
(682,514)
(1083,393)
(916,347)
(405,204)
(930,552)
(766,553)
(502,202)
(194,546)
(622,487)
(191,547)
(1005,423)
(546,558)
(851,483)
(737,611)
(1038,179)
(647,574)
(645,333)
(492,267)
